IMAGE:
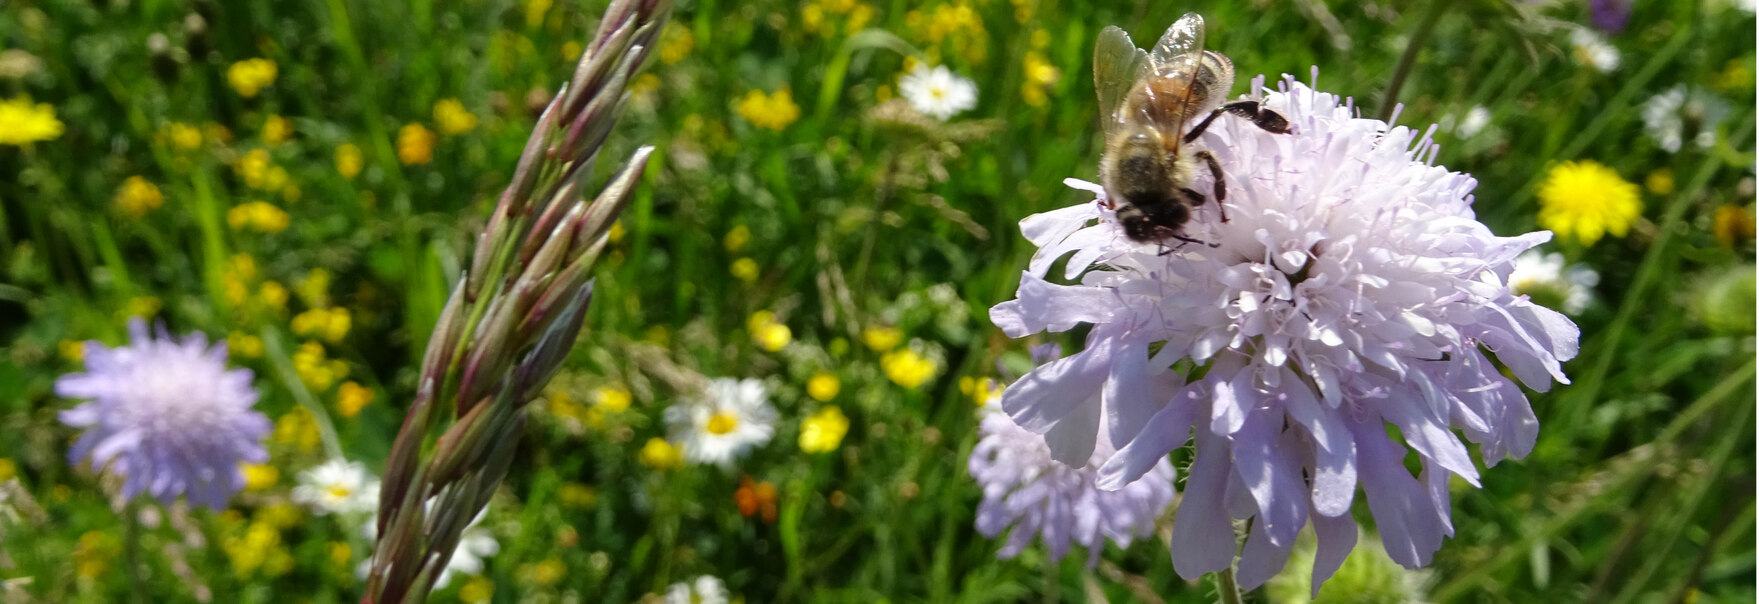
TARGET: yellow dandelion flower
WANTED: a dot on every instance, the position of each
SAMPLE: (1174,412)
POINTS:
(767,332)
(244,345)
(661,455)
(859,17)
(73,350)
(736,238)
(907,368)
(881,339)
(823,386)
(23,122)
(477,590)
(277,130)
(314,368)
(258,477)
(415,145)
(340,554)
(452,118)
(314,288)
(576,495)
(676,43)
(137,196)
(275,179)
(297,429)
(253,168)
(331,324)
(250,76)
(1659,182)
(812,18)
(273,295)
(745,269)
(183,137)
(612,400)
(772,111)
(571,51)
(351,397)
(824,430)
(349,160)
(258,216)
(8,469)
(1585,200)
(1732,224)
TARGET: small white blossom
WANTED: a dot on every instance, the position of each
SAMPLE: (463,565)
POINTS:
(1545,275)
(1666,115)
(705,589)
(338,486)
(937,92)
(1591,49)
(729,418)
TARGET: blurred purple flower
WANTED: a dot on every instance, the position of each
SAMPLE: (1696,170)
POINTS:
(1610,15)
(1025,488)
(1352,289)
(167,416)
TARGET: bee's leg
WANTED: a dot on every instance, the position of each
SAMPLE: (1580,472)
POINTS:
(1221,182)
(1261,116)
(1183,241)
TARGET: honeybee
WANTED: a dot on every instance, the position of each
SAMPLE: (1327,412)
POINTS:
(1146,98)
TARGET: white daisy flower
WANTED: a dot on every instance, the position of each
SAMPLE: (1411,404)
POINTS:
(1666,115)
(937,91)
(730,418)
(1545,278)
(1593,50)
(1476,119)
(338,487)
(704,590)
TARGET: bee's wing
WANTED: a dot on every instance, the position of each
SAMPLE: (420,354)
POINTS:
(1179,55)
(1117,63)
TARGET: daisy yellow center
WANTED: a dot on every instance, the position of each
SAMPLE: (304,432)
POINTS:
(1586,200)
(722,423)
(340,491)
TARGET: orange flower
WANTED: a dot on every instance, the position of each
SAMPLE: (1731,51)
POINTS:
(753,498)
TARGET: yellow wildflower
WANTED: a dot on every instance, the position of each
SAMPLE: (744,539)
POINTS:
(183,137)
(281,515)
(548,572)
(244,345)
(1585,200)
(661,455)
(23,123)
(812,17)
(259,216)
(1659,182)
(823,431)
(93,552)
(452,118)
(273,295)
(1040,75)
(415,145)
(823,386)
(297,429)
(1732,224)
(217,133)
(881,339)
(8,469)
(340,554)
(981,391)
(534,11)
(571,51)
(73,350)
(259,477)
(906,368)
(249,552)
(277,130)
(349,160)
(736,238)
(316,370)
(769,334)
(859,18)
(676,43)
(314,288)
(253,168)
(250,75)
(576,495)
(615,236)
(1735,76)
(137,196)
(477,590)
(275,179)
(331,324)
(745,269)
(612,400)
(352,397)
(772,111)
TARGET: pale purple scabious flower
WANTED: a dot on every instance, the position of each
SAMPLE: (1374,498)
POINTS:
(1039,496)
(1353,289)
(167,415)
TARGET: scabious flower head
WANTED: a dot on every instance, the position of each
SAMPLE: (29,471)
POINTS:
(167,415)
(1352,289)
(728,419)
(23,122)
(1549,281)
(338,486)
(704,590)
(1585,200)
(1039,496)
(937,92)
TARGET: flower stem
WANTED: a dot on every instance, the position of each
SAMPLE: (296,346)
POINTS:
(131,549)
(1227,589)
(1408,60)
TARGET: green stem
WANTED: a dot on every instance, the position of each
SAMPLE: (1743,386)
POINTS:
(131,549)
(1408,60)
(1227,588)
(277,354)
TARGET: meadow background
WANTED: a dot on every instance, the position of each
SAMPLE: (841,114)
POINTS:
(304,179)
